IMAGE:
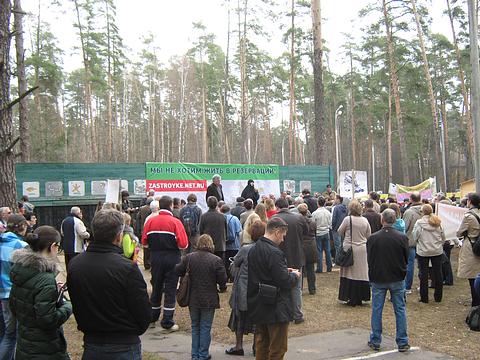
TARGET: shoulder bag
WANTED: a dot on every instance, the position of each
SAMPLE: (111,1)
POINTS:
(475,243)
(183,291)
(345,258)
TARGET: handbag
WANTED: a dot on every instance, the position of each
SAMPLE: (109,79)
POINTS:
(267,293)
(476,241)
(183,290)
(345,258)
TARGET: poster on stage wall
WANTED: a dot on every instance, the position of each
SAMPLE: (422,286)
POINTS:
(181,179)
(361,188)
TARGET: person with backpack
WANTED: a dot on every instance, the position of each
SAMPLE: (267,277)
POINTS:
(190,216)
(233,238)
(468,262)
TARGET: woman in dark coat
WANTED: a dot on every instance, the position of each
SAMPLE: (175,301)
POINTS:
(239,322)
(206,271)
(34,295)
(250,192)
(309,249)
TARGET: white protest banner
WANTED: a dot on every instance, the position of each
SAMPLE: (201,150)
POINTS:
(361,188)
(113,189)
(451,217)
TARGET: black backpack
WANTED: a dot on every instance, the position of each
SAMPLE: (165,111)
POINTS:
(189,219)
(476,241)
(473,318)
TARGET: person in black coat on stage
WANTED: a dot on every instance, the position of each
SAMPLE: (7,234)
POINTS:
(250,192)
(215,188)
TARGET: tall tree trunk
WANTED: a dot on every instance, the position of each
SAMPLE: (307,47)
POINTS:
(36,94)
(352,116)
(88,91)
(22,82)
(268,132)
(443,109)
(245,118)
(204,121)
(109,89)
(7,156)
(431,96)
(292,143)
(461,76)
(475,84)
(225,106)
(389,137)
(405,178)
(320,128)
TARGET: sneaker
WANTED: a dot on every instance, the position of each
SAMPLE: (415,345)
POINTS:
(298,321)
(373,346)
(404,348)
(408,292)
(170,330)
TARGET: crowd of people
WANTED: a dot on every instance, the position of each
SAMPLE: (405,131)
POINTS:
(263,245)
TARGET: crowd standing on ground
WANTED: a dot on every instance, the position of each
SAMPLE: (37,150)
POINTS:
(263,245)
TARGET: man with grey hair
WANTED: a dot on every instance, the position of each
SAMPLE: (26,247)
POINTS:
(108,292)
(154,210)
(74,233)
(387,256)
(215,188)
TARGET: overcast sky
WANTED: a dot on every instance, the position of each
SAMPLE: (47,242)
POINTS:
(171,22)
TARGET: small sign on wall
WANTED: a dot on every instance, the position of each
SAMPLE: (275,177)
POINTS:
(76,188)
(31,189)
(305,185)
(53,189)
(140,187)
(289,185)
(99,188)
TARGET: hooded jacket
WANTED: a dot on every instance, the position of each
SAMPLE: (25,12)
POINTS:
(339,213)
(429,239)
(33,301)
(9,242)
(250,193)
(410,217)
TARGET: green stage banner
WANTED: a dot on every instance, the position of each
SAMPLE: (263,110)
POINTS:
(181,179)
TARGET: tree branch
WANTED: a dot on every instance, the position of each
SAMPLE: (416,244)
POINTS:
(9,148)
(17,100)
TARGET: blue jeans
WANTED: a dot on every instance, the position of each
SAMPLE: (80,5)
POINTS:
(397,294)
(9,335)
(297,298)
(323,244)
(337,241)
(112,351)
(202,320)
(410,268)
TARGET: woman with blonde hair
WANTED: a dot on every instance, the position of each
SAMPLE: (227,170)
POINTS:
(206,272)
(429,238)
(260,214)
(270,207)
(355,230)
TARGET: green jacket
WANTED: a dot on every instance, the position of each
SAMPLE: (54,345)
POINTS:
(33,300)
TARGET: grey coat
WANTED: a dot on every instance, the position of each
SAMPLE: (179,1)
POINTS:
(238,299)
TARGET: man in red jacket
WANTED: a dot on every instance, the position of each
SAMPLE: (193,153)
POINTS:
(165,236)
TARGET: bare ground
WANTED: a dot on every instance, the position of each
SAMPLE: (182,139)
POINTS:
(439,327)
